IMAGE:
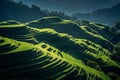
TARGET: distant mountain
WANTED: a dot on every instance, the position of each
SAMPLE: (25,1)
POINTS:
(107,16)
(10,10)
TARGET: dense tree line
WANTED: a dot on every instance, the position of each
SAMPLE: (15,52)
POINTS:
(23,13)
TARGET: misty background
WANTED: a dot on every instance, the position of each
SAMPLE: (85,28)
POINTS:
(72,6)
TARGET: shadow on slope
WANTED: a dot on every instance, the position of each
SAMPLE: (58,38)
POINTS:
(79,48)
(23,60)
(72,28)
(16,30)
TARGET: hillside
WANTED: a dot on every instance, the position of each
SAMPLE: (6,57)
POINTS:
(116,31)
(27,61)
(36,44)
(108,16)
(16,30)
(74,29)
(55,52)
(11,10)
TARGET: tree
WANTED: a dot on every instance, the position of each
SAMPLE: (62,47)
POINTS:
(35,7)
(85,23)
(117,25)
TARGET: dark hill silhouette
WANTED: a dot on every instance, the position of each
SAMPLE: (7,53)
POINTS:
(10,10)
(107,16)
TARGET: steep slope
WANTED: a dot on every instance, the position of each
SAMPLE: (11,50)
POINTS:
(27,61)
(11,10)
(81,49)
(16,30)
(116,40)
(116,31)
(75,57)
(72,28)
(116,52)
(102,30)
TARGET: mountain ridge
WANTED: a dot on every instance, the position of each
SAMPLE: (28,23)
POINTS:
(11,10)
(108,16)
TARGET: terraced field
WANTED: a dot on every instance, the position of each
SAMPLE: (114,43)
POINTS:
(102,30)
(21,60)
(28,53)
(16,30)
(79,48)
(72,28)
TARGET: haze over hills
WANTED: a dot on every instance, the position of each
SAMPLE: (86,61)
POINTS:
(108,16)
(70,6)
(53,46)
(18,11)
(24,13)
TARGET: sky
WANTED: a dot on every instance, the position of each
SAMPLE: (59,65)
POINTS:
(72,6)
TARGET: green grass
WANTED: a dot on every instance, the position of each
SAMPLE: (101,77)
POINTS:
(102,30)
(17,31)
(79,48)
(72,28)
(34,61)
(11,24)
(95,35)
(60,50)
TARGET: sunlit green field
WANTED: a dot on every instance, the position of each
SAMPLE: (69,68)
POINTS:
(58,50)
